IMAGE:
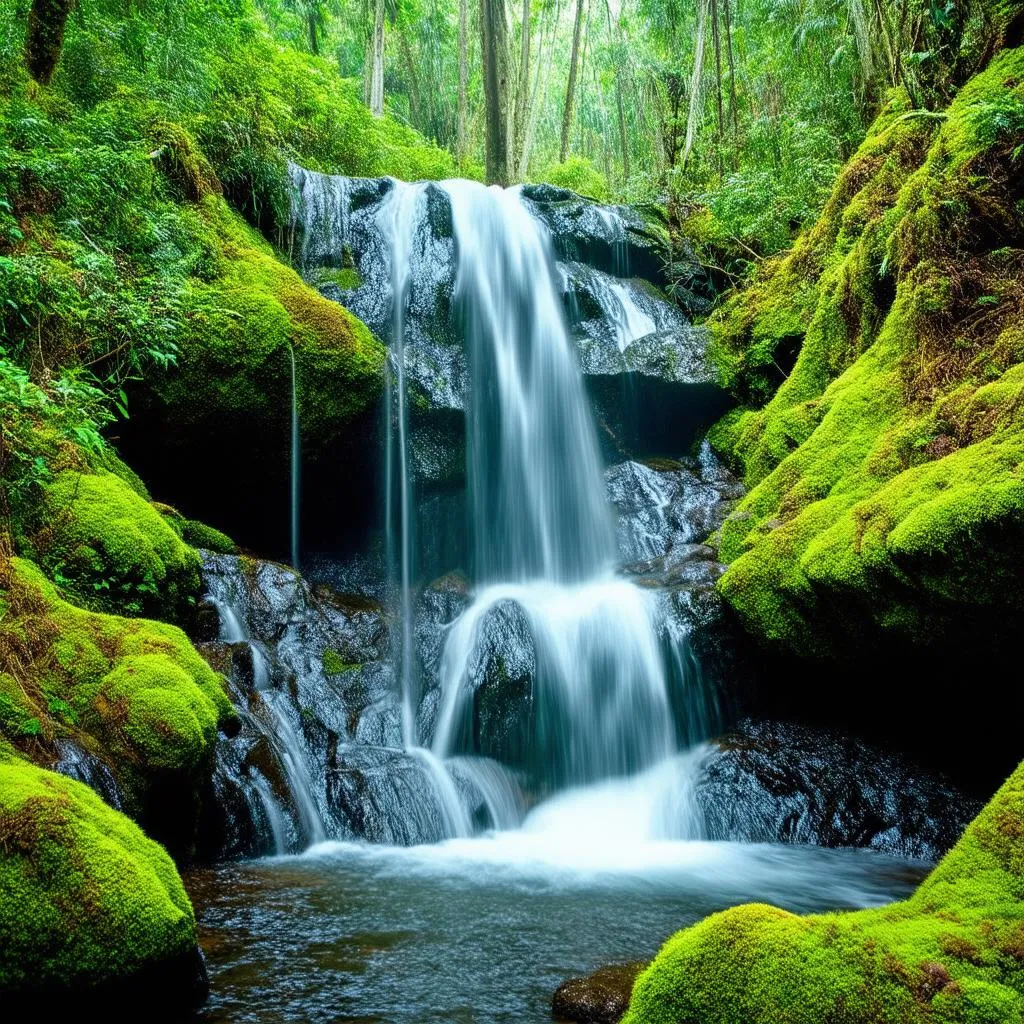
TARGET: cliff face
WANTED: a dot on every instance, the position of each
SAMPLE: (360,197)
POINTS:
(882,363)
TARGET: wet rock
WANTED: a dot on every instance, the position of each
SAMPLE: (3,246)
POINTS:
(76,762)
(385,795)
(600,998)
(779,782)
(500,675)
(667,509)
(440,604)
(628,326)
(615,239)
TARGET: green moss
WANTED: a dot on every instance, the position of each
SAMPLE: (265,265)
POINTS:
(199,535)
(234,364)
(134,692)
(333,664)
(111,549)
(951,954)
(887,494)
(345,278)
(87,898)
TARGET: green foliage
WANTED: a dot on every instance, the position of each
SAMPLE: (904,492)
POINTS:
(578,174)
(87,897)
(952,953)
(887,496)
(36,421)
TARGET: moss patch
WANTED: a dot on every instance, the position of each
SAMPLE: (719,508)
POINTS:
(234,363)
(87,898)
(887,470)
(951,954)
(135,693)
(113,550)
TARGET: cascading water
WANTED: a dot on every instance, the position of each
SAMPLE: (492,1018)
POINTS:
(279,732)
(544,676)
(542,533)
(296,462)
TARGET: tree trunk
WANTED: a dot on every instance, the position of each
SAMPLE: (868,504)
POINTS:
(695,81)
(733,111)
(494,51)
(620,109)
(314,34)
(414,82)
(461,140)
(540,89)
(44,37)
(377,73)
(718,84)
(523,88)
(570,89)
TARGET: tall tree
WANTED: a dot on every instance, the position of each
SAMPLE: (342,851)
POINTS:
(44,37)
(523,84)
(463,111)
(619,55)
(570,89)
(494,51)
(377,66)
(693,113)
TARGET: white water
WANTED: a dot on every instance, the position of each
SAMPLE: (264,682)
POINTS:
(296,463)
(630,321)
(542,532)
(281,735)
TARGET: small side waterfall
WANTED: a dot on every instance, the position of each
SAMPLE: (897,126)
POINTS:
(278,732)
(296,463)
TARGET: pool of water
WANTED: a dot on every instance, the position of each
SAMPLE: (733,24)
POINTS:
(481,931)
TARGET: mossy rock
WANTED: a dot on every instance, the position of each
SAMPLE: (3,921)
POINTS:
(233,375)
(133,692)
(111,549)
(89,903)
(951,954)
(200,535)
(887,471)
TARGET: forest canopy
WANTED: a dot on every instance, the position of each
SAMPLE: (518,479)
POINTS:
(743,108)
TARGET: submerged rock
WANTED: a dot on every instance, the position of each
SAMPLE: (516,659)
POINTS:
(599,998)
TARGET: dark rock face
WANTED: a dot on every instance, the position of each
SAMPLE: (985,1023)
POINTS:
(779,782)
(600,998)
(611,262)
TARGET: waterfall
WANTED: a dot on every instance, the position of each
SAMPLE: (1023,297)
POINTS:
(296,466)
(278,732)
(403,215)
(543,533)
(598,704)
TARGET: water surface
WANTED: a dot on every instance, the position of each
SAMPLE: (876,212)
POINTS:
(483,930)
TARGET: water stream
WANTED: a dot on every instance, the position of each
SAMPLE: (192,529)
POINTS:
(580,842)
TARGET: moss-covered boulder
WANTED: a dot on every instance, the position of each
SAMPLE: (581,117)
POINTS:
(89,904)
(233,372)
(134,693)
(887,469)
(111,549)
(951,954)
